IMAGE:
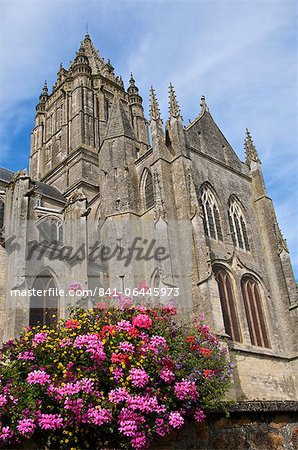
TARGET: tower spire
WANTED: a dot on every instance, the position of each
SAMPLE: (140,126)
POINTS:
(173,103)
(45,88)
(133,91)
(154,107)
(250,149)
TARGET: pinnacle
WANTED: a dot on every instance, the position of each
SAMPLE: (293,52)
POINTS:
(131,80)
(45,88)
(203,104)
(154,107)
(173,103)
(250,149)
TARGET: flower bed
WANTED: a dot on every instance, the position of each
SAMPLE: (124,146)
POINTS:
(109,378)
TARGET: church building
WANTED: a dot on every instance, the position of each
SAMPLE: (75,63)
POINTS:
(101,173)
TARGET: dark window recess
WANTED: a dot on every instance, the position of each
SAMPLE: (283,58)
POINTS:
(254,312)
(228,304)
(44,309)
(149,195)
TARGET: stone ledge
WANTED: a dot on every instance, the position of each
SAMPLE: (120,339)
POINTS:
(262,406)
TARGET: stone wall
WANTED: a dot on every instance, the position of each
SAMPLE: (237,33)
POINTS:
(251,425)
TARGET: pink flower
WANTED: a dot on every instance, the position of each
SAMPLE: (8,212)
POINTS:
(50,421)
(74,405)
(142,321)
(119,395)
(117,373)
(3,400)
(75,286)
(124,325)
(156,343)
(38,377)
(167,375)
(6,433)
(39,338)
(139,377)
(99,416)
(186,389)
(199,415)
(126,347)
(176,420)
(26,426)
(145,404)
(139,441)
(65,342)
(28,355)
(161,427)
(124,302)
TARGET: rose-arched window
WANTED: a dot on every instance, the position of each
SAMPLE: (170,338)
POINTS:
(148,191)
(228,303)
(254,312)
(238,226)
(211,219)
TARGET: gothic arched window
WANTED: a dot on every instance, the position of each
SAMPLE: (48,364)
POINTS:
(1,215)
(238,226)
(210,210)
(228,303)
(44,309)
(254,312)
(148,190)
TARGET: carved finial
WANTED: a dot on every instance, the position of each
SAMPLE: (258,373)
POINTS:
(45,88)
(250,149)
(87,29)
(173,103)
(131,80)
(154,107)
(203,104)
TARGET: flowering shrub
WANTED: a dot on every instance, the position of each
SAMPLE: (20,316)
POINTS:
(109,378)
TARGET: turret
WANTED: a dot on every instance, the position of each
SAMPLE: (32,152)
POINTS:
(81,69)
(140,124)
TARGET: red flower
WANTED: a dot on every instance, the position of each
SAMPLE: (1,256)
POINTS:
(72,324)
(133,332)
(194,346)
(208,373)
(119,358)
(190,338)
(205,351)
(108,330)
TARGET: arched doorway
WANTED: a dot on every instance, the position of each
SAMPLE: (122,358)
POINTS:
(44,301)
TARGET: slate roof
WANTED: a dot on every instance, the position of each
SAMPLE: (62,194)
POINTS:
(5,175)
(43,188)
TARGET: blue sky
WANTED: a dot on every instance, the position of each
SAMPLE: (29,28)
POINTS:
(242,55)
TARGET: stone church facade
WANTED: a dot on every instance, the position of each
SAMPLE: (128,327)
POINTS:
(100,172)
